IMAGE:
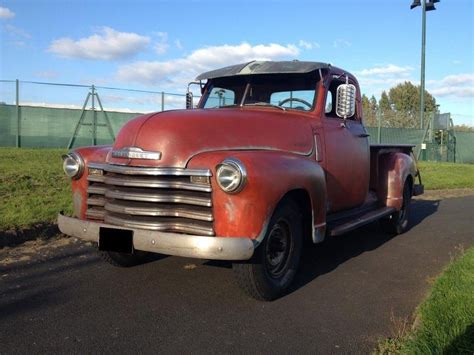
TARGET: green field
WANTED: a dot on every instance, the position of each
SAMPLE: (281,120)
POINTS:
(33,187)
(436,176)
(446,316)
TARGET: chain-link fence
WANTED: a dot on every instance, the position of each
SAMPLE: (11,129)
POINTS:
(35,114)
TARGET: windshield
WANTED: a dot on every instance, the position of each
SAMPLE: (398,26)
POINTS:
(285,91)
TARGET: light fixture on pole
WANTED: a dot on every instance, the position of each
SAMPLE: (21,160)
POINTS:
(426,6)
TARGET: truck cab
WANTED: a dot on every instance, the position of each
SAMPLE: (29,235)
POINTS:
(273,154)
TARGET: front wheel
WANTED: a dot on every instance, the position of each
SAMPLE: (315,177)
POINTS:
(271,270)
(397,223)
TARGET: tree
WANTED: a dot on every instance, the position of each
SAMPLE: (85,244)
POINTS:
(401,106)
(369,109)
(405,103)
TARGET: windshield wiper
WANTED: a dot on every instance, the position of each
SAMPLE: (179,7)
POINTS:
(266,104)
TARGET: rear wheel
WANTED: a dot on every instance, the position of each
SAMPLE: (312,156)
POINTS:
(397,223)
(273,266)
(124,259)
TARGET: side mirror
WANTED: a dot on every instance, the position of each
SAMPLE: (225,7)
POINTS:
(345,100)
(189,100)
(189,94)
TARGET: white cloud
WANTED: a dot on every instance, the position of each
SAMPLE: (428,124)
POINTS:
(308,45)
(178,44)
(341,43)
(388,70)
(108,44)
(161,46)
(456,85)
(16,32)
(178,71)
(47,74)
(6,13)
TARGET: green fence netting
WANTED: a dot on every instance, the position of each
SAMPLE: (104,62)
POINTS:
(54,127)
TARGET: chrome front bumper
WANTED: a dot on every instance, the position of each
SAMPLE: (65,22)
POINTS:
(193,246)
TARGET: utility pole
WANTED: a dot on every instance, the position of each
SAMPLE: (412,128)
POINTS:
(425,6)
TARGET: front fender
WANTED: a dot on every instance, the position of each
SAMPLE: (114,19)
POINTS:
(271,175)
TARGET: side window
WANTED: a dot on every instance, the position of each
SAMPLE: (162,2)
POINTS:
(329,103)
(220,97)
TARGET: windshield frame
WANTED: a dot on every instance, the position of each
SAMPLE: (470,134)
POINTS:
(244,83)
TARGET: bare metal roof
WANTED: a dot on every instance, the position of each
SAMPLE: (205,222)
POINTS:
(260,67)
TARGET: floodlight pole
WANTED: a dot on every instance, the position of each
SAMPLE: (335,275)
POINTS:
(423,46)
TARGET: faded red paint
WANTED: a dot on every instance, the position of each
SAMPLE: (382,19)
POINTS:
(324,156)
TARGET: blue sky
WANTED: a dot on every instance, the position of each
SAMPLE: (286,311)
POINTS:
(161,45)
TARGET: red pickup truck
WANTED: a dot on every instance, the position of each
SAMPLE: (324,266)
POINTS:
(275,153)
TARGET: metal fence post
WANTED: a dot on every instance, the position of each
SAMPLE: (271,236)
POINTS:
(379,126)
(94,118)
(162,101)
(18,115)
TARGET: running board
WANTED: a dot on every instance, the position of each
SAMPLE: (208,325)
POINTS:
(361,220)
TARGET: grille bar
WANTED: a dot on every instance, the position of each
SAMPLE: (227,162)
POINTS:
(149,195)
(162,224)
(136,170)
(163,183)
(159,210)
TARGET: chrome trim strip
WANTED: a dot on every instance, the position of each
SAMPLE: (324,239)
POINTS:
(136,153)
(152,210)
(191,246)
(155,183)
(169,224)
(96,178)
(96,189)
(152,196)
(95,201)
(135,170)
(95,213)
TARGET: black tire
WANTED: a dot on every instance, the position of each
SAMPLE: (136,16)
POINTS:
(123,259)
(271,270)
(397,223)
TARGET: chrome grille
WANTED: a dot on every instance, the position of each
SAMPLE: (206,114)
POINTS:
(164,199)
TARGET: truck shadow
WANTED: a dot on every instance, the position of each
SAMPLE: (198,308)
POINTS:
(323,258)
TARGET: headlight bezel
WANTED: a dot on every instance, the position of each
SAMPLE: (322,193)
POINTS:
(237,167)
(73,157)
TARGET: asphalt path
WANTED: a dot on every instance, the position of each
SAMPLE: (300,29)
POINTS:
(350,292)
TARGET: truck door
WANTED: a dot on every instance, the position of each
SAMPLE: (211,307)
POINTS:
(347,162)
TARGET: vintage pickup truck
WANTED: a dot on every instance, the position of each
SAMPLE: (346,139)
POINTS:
(273,155)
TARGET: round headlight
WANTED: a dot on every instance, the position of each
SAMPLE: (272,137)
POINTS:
(231,175)
(73,165)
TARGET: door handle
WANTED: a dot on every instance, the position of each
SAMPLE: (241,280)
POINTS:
(363,135)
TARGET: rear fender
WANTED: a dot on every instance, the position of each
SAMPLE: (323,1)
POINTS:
(395,168)
(271,175)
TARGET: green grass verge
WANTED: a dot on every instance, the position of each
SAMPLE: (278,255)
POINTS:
(446,316)
(33,187)
(437,175)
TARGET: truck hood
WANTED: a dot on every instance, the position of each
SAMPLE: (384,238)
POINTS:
(181,134)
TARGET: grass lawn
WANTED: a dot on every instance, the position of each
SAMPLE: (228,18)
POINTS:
(33,187)
(447,315)
(436,176)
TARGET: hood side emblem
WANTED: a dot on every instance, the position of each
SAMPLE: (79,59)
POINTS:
(136,153)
